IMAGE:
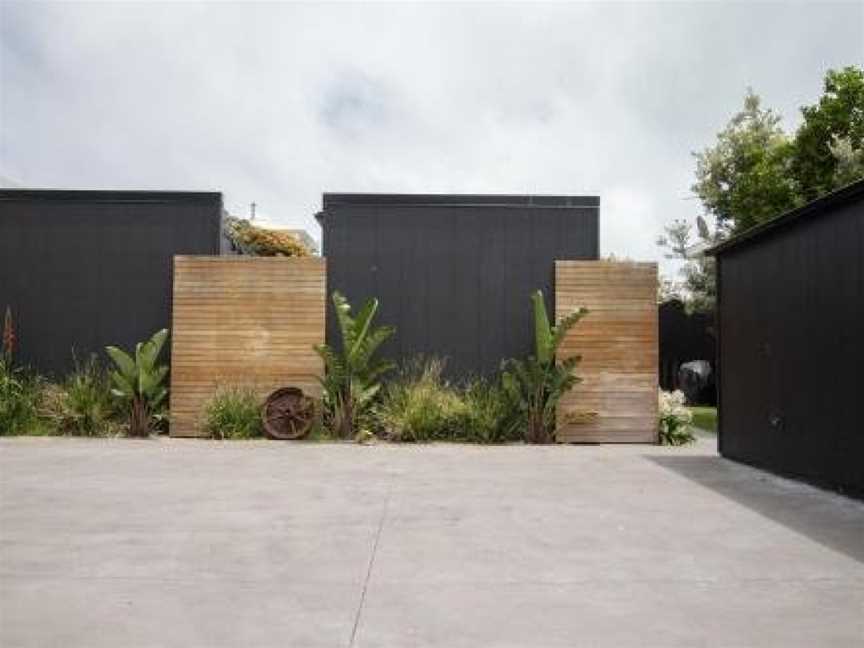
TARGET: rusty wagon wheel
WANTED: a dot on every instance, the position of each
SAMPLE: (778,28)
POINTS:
(288,414)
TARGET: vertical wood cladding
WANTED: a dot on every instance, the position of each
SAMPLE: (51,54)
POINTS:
(617,398)
(453,274)
(243,321)
(84,269)
(791,314)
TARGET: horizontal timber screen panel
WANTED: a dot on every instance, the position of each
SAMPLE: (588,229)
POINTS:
(243,321)
(617,398)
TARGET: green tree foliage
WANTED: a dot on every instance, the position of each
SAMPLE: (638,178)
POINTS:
(831,136)
(698,285)
(138,382)
(755,171)
(850,161)
(351,379)
(537,383)
(745,177)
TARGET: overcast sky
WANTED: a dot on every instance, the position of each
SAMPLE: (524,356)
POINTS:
(278,103)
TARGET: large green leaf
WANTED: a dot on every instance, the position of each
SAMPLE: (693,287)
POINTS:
(511,386)
(364,395)
(158,341)
(332,363)
(542,329)
(124,362)
(343,316)
(565,324)
(370,345)
(158,397)
(150,381)
(122,386)
(361,329)
(148,352)
(376,370)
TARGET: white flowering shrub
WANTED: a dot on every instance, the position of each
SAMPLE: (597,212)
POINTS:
(675,419)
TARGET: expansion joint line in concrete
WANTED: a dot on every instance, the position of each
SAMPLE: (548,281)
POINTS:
(371,565)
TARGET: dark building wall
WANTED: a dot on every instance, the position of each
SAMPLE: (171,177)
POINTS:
(684,337)
(83,269)
(791,316)
(453,273)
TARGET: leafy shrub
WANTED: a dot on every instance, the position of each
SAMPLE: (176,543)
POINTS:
(489,415)
(419,405)
(82,404)
(19,399)
(351,379)
(675,419)
(138,383)
(233,413)
(537,383)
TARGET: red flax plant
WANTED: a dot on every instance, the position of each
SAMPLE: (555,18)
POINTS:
(8,336)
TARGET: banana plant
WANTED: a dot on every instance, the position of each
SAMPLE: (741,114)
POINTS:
(537,383)
(138,382)
(351,378)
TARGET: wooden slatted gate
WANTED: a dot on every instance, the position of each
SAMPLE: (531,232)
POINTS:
(243,321)
(618,341)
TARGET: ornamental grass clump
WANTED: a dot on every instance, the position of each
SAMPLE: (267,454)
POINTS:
(674,419)
(419,405)
(488,415)
(234,412)
(82,405)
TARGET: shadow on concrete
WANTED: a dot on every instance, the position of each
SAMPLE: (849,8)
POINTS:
(827,518)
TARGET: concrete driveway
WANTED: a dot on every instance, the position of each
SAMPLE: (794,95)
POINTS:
(191,543)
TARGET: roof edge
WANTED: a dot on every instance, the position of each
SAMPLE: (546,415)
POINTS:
(461,200)
(111,195)
(789,218)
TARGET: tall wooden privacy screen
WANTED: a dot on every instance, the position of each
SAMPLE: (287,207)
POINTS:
(617,398)
(243,321)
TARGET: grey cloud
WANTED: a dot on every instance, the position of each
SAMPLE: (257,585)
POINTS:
(352,103)
(276,103)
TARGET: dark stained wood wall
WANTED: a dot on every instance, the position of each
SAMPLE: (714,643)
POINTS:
(685,337)
(791,356)
(83,269)
(454,274)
